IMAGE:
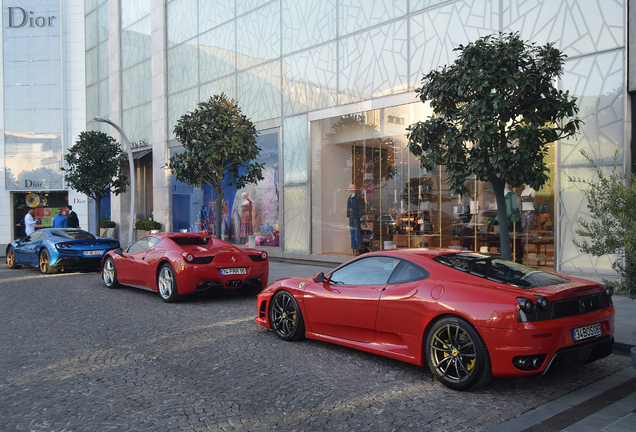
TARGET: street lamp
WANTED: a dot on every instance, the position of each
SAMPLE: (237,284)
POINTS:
(131,164)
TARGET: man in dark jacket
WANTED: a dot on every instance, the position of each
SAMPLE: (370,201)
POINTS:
(73,220)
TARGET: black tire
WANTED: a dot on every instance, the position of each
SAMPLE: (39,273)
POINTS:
(11,262)
(456,354)
(109,273)
(285,317)
(45,262)
(167,284)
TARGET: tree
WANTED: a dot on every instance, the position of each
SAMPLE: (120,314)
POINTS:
(612,228)
(95,167)
(495,109)
(220,150)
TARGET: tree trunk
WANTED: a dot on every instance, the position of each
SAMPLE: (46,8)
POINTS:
(498,187)
(98,203)
(218,222)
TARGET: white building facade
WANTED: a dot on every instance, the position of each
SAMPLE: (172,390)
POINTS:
(330,86)
(44,109)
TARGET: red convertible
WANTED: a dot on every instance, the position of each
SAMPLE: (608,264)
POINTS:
(468,316)
(184,263)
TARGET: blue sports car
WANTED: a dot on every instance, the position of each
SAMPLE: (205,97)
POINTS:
(54,249)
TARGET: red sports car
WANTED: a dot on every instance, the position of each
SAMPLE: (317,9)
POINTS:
(184,263)
(468,316)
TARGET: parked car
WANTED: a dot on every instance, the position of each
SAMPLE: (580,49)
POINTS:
(184,263)
(55,249)
(468,316)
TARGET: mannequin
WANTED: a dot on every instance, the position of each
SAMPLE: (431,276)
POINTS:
(528,216)
(246,217)
(354,212)
(512,205)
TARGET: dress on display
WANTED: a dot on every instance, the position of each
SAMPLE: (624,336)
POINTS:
(528,217)
(354,213)
(246,219)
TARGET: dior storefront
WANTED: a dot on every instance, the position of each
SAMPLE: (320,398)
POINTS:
(43,110)
(329,84)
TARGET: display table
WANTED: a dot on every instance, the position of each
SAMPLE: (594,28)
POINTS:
(405,240)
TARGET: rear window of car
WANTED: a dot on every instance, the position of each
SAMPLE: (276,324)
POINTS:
(499,270)
(191,241)
(74,234)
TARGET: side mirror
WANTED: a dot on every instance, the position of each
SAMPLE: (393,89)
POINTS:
(319,277)
(118,251)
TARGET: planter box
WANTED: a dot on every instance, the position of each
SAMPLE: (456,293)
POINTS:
(141,233)
(107,232)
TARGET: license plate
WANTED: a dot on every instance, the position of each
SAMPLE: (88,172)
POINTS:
(93,252)
(233,271)
(591,331)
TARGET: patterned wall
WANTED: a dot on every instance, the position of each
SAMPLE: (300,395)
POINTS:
(282,58)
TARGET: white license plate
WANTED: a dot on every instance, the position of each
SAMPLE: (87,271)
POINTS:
(591,331)
(93,253)
(233,271)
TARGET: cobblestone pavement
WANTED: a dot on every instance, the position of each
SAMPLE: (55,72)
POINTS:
(76,356)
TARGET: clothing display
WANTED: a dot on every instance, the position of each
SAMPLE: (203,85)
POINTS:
(354,212)
(528,219)
(246,218)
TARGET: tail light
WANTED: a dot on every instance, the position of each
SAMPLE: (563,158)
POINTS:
(113,243)
(525,304)
(64,245)
(188,257)
(264,256)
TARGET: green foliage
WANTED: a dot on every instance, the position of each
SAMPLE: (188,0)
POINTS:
(219,149)
(95,166)
(611,230)
(105,223)
(495,109)
(147,225)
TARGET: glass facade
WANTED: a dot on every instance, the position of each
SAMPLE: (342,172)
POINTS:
(32,90)
(253,210)
(96,39)
(403,205)
(332,81)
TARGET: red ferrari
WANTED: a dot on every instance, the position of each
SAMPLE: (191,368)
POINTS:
(468,316)
(184,263)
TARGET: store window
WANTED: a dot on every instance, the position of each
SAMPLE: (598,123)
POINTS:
(370,193)
(253,210)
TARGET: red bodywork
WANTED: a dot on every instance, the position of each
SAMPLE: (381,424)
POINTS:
(142,268)
(392,319)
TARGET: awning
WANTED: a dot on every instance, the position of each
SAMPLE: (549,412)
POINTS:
(142,153)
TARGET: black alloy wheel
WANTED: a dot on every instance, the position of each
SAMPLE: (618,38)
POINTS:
(285,317)
(456,354)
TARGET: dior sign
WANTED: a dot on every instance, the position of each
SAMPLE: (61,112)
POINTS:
(19,17)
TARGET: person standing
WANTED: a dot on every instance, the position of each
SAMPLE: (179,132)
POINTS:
(59,221)
(72,220)
(29,222)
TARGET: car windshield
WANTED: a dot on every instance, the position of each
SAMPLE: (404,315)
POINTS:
(499,270)
(74,234)
(191,241)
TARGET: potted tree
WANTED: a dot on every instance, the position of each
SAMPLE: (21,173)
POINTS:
(107,228)
(145,227)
